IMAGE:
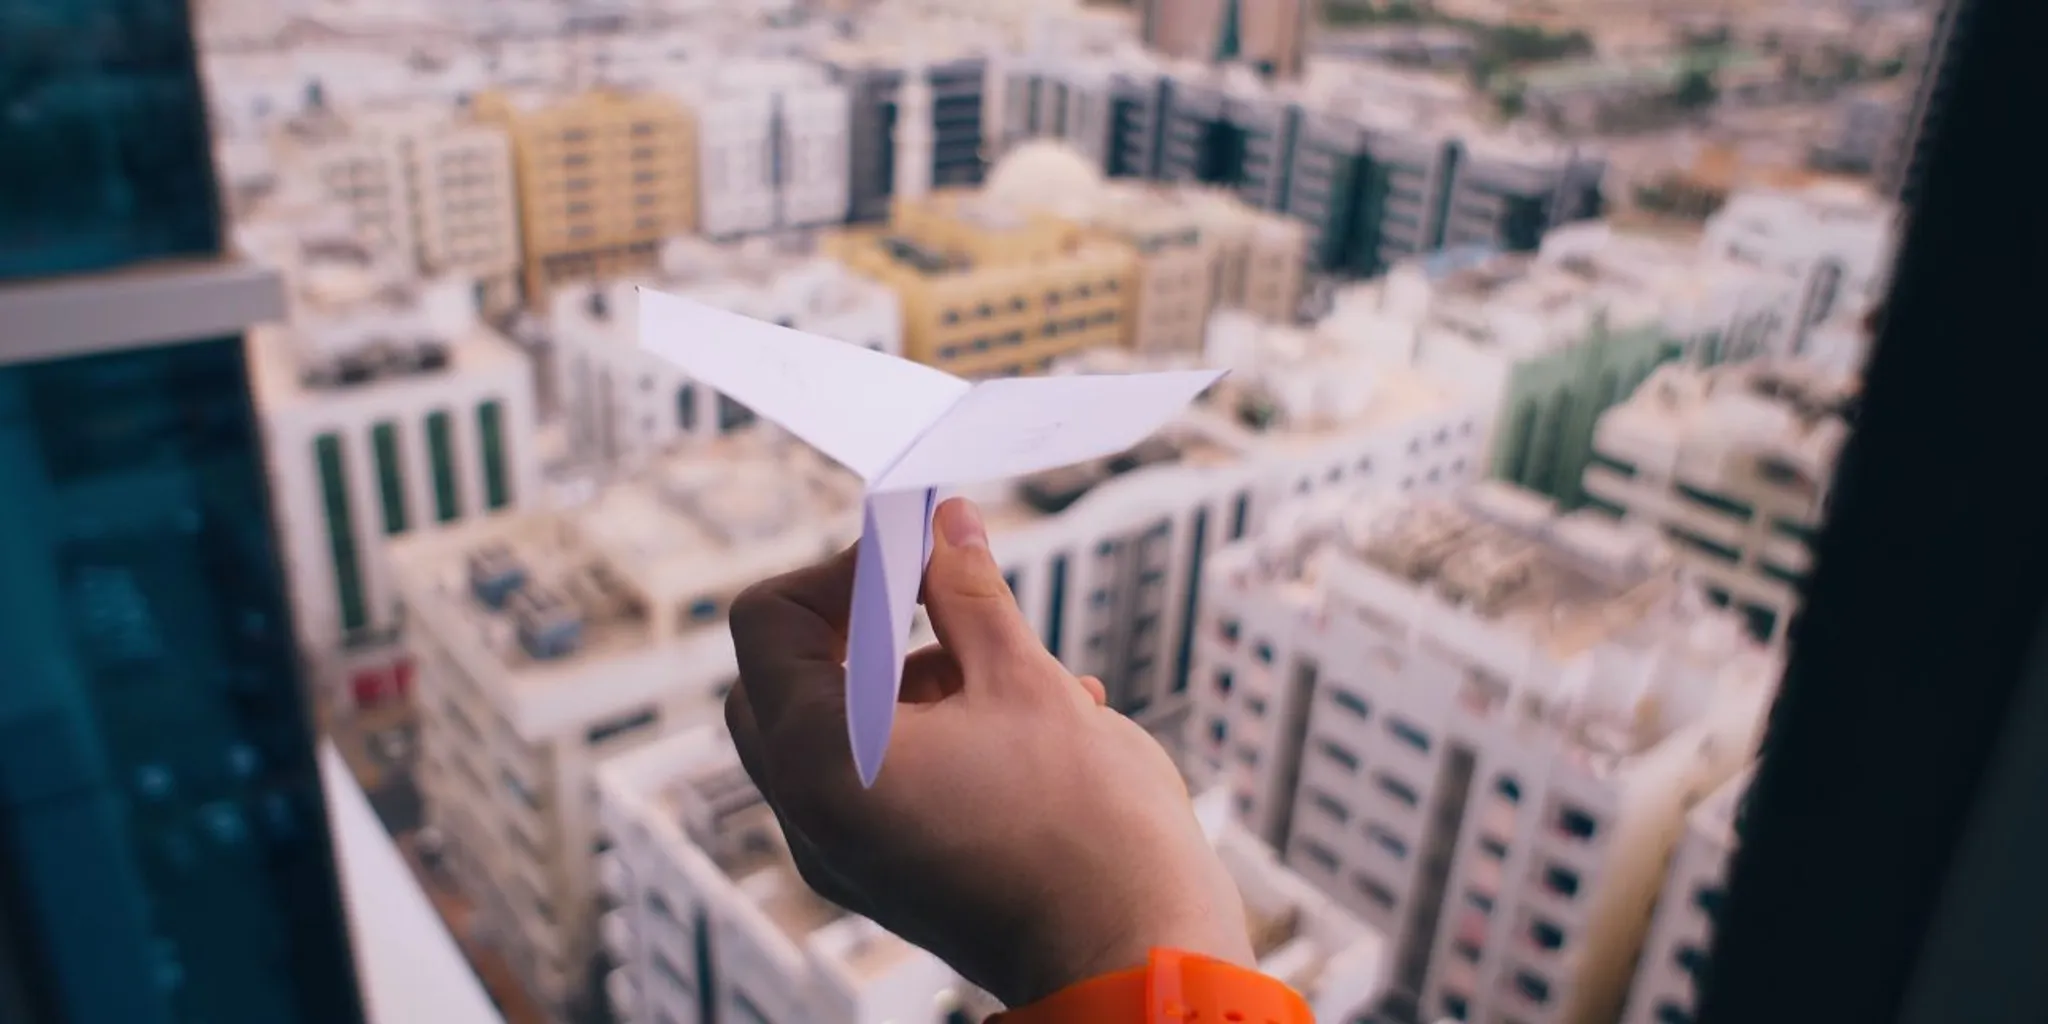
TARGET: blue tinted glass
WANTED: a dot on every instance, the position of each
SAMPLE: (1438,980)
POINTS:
(163,841)
(106,159)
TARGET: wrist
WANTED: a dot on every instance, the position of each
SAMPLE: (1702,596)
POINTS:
(1127,943)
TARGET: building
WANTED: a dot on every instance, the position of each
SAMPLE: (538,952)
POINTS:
(163,834)
(1831,241)
(603,177)
(1868,122)
(623,406)
(1553,343)
(549,641)
(1666,987)
(710,920)
(1478,724)
(772,148)
(1106,559)
(1269,35)
(1734,465)
(947,112)
(434,190)
(1380,164)
(989,287)
(387,408)
(1197,249)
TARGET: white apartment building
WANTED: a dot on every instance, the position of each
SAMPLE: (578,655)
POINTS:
(624,406)
(1833,241)
(388,408)
(549,641)
(1734,464)
(1317,947)
(709,919)
(772,148)
(1479,725)
(434,189)
(1106,559)
(1667,976)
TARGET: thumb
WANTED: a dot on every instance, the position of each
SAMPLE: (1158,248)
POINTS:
(970,605)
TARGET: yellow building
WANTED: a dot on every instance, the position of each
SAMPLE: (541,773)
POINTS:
(603,178)
(989,289)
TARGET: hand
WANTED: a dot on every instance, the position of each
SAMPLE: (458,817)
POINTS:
(1020,830)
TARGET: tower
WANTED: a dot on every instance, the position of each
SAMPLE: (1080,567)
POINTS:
(912,134)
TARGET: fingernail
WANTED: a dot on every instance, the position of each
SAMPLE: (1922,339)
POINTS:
(960,523)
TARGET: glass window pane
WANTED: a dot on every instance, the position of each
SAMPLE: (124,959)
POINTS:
(390,476)
(441,446)
(497,486)
(161,820)
(341,537)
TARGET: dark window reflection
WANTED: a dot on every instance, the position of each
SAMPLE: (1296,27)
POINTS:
(162,832)
(106,158)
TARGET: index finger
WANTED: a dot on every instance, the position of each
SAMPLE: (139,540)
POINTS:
(789,634)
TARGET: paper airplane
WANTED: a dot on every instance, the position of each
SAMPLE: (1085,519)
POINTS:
(907,429)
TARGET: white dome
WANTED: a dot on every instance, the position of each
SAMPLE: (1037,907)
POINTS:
(1043,173)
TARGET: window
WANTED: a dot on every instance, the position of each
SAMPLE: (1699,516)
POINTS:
(1224,681)
(605,732)
(732,415)
(1562,881)
(1402,792)
(1762,621)
(1330,805)
(704,609)
(1691,958)
(1242,517)
(1056,605)
(1708,899)
(1546,935)
(1493,847)
(1408,734)
(497,483)
(341,537)
(441,450)
(517,788)
(1229,628)
(1454,1006)
(1349,701)
(1669,1012)
(658,905)
(686,408)
(1264,652)
(1482,902)
(1534,988)
(1321,855)
(390,476)
(1386,840)
(1796,531)
(1256,705)
(1466,951)
(1701,544)
(1340,755)
(1613,465)
(1577,823)
(1219,730)
(1381,896)
(1508,788)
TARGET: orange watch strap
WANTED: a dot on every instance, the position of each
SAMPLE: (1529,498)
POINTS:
(1173,988)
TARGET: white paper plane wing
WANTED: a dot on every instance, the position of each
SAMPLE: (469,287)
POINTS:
(908,430)
(860,407)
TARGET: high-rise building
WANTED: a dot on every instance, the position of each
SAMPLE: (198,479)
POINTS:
(1479,724)
(772,148)
(603,177)
(1197,249)
(623,405)
(1106,559)
(1899,175)
(710,920)
(1666,987)
(549,641)
(387,407)
(873,76)
(1831,244)
(1734,464)
(1269,35)
(990,287)
(164,849)
(432,190)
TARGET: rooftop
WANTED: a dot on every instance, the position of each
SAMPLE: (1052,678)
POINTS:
(1522,592)
(1782,409)
(759,277)
(647,562)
